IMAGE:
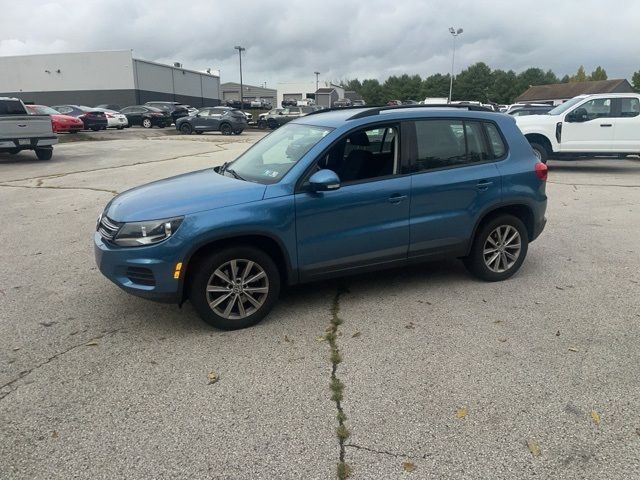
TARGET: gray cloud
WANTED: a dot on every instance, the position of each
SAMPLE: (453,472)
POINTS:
(288,40)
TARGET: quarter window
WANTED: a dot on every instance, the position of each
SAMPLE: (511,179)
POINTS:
(495,140)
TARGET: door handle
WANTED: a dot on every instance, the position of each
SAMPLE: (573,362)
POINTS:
(606,125)
(484,184)
(397,198)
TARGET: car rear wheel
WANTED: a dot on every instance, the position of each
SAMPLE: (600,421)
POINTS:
(186,129)
(540,152)
(237,131)
(235,288)
(499,249)
(225,129)
(44,153)
(146,123)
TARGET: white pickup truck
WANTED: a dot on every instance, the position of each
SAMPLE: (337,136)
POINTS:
(21,131)
(586,126)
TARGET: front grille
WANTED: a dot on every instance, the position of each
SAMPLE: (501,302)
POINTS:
(141,276)
(108,229)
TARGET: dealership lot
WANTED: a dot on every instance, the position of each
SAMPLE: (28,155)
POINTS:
(445,376)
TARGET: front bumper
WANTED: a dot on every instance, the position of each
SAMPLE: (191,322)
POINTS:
(123,266)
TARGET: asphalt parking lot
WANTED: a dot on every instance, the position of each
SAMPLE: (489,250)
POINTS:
(444,376)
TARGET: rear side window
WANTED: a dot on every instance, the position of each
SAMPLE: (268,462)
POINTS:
(11,107)
(629,107)
(495,140)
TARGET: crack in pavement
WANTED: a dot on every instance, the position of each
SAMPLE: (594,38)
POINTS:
(113,167)
(39,186)
(372,450)
(11,384)
(337,387)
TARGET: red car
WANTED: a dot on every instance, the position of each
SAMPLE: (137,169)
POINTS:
(59,122)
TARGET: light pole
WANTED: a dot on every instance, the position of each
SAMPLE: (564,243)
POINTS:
(454,33)
(317,73)
(240,50)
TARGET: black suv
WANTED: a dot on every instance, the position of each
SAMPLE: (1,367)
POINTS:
(213,119)
(147,116)
(175,109)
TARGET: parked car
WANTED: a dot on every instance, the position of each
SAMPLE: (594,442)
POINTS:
(92,119)
(286,115)
(586,126)
(248,116)
(215,119)
(115,119)
(327,195)
(175,109)
(289,102)
(60,123)
(110,106)
(358,103)
(409,102)
(191,110)
(392,103)
(21,131)
(147,117)
(530,110)
(262,118)
(237,104)
(515,106)
(343,102)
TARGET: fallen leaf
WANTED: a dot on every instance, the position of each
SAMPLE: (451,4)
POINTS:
(410,326)
(54,434)
(213,377)
(502,340)
(287,339)
(573,349)
(15,349)
(638,431)
(596,417)
(534,448)
(497,321)
(558,333)
(461,413)
(356,335)
(559,288)
(409,467)
(321,338)
(92,343)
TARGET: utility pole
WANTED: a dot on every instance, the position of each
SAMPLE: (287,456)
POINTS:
(317,73)
(454,32)
(240,50)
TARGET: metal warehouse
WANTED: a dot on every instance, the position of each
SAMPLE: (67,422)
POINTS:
(93,78)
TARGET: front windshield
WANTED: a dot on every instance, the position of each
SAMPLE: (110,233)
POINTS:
(273,156)
(42,110)
(565,106)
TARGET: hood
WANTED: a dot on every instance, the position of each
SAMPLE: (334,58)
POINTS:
(182,195)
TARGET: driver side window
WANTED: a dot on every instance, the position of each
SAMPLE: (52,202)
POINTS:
(364,154)
(596,108)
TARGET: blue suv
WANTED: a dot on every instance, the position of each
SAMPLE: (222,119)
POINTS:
(329,194)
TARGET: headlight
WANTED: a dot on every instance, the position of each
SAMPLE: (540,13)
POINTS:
(136,234)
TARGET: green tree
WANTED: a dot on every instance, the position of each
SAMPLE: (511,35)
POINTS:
(598,74)
(503,87)
(372,92)
(635,80)
(566,79)
(436,85)
(473,83)
(580,75)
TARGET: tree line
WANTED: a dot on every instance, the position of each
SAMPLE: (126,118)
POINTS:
(477,82)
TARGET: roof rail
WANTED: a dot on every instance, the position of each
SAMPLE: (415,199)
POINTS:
(334,109)
(376,110)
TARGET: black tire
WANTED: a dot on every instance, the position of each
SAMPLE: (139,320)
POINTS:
(186,129)
(237,132)
(204,271)
(146,123)
(476,262)
(199,132)
(14,151)
(44,153)
(262,124)
(120,128)
(225,129)
(541,152)
(95,129)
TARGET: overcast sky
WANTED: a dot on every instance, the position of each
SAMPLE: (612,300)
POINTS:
(289,40)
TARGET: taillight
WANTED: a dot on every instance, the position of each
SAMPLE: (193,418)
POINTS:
(541,171)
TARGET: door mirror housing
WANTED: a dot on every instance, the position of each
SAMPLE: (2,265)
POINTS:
(324,181)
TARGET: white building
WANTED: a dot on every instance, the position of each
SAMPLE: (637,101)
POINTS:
(93,78)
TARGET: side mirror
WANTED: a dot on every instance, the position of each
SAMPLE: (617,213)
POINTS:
(324,180)
(578,115)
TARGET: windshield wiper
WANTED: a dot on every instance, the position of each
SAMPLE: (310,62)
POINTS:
(233,172)
(222,168)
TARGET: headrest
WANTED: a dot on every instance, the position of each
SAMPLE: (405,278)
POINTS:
(359,138)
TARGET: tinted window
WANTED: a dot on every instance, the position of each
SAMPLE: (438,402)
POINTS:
(64,109)
(477,150)
(11,107)
(495,140)
(218,111)
(629,107)
(440,144)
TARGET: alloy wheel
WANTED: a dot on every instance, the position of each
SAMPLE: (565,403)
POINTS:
(502,248)
(237,289)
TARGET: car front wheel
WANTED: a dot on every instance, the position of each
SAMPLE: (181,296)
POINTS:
(499,249)
(146,123)
(235,288)
(186,129)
